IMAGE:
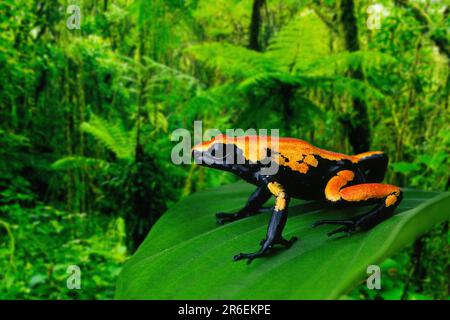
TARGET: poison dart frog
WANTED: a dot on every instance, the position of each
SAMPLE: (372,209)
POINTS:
(303,172)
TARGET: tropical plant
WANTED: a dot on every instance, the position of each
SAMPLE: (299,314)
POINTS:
(316,267)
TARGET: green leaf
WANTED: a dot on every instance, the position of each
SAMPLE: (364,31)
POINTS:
(405,167)
(37,279)
(188,256)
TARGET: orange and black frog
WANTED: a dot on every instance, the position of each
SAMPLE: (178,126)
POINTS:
(303,172)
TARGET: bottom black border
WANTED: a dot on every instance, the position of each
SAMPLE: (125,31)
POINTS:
(220,309)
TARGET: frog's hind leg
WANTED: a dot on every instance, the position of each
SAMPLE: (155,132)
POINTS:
(252,207)
(387,197)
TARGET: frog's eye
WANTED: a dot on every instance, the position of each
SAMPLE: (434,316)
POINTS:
(216,150)
(221,151)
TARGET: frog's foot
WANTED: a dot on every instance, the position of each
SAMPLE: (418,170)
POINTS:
(349,226)
(265,248)
(250,256)
(282,241)
(223,217)
(253,206)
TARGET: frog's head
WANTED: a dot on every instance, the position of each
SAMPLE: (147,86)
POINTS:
(220,152)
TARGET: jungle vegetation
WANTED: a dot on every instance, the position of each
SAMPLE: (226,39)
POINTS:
(86,117)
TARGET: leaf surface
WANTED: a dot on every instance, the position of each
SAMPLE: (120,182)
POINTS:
(188,256)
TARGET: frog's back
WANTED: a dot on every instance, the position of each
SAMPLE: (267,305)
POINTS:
(304,168)
(300,155)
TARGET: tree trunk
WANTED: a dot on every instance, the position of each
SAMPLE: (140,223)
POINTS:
(138,221)
(255,25)
(358,125)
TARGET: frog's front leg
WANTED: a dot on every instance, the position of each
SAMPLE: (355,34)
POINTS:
(252,207)
(276,224)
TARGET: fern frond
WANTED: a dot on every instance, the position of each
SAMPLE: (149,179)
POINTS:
(340,63)
(303,41)
(344,85)
(233,61)
(77,162)
(113,136)
(268,80)
(338,84)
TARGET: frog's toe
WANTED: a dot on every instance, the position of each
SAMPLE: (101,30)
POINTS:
(222,217)
(286,243)
(336,222)
(248,256)
(349,230)
(348,226)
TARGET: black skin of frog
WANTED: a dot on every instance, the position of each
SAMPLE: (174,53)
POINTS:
(304,172)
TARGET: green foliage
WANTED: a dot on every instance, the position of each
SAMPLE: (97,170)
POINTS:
(187,243)
(430,168)
(68,163)
(297,66)
(131,180)
(301,42)
(38,242)
(112,136)
(44,242)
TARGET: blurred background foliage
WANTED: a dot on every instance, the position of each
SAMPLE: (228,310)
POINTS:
(86,117)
